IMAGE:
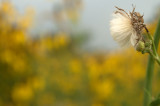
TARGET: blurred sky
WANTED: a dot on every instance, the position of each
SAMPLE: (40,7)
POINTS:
(94,17)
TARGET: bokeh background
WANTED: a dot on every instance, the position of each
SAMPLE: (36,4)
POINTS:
(61,53)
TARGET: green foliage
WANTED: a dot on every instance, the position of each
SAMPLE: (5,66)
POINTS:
(150,68)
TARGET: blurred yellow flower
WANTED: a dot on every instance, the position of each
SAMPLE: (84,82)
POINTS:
(60,40)
(8,9)
(22,93)
(26,21)
(19,37)
(104,89)
(75,66)
(7,56)
(37,83)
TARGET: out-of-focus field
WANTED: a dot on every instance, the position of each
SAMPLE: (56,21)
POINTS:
(52,70)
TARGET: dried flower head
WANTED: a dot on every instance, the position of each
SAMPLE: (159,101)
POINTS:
(126,28)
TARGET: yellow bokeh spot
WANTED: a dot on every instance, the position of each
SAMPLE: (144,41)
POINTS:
(22,93)
(19,37)
(27,20)
(38,83)
(75,65)
(7,56)
(60,40)
(104,89)
(7,8)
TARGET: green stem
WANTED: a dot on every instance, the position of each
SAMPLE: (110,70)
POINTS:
(150,67)
(154,49)
(155,57)
(149,75)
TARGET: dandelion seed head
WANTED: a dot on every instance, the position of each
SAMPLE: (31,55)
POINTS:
(126,28)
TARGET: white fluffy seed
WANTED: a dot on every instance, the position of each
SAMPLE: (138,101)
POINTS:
(122,30)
